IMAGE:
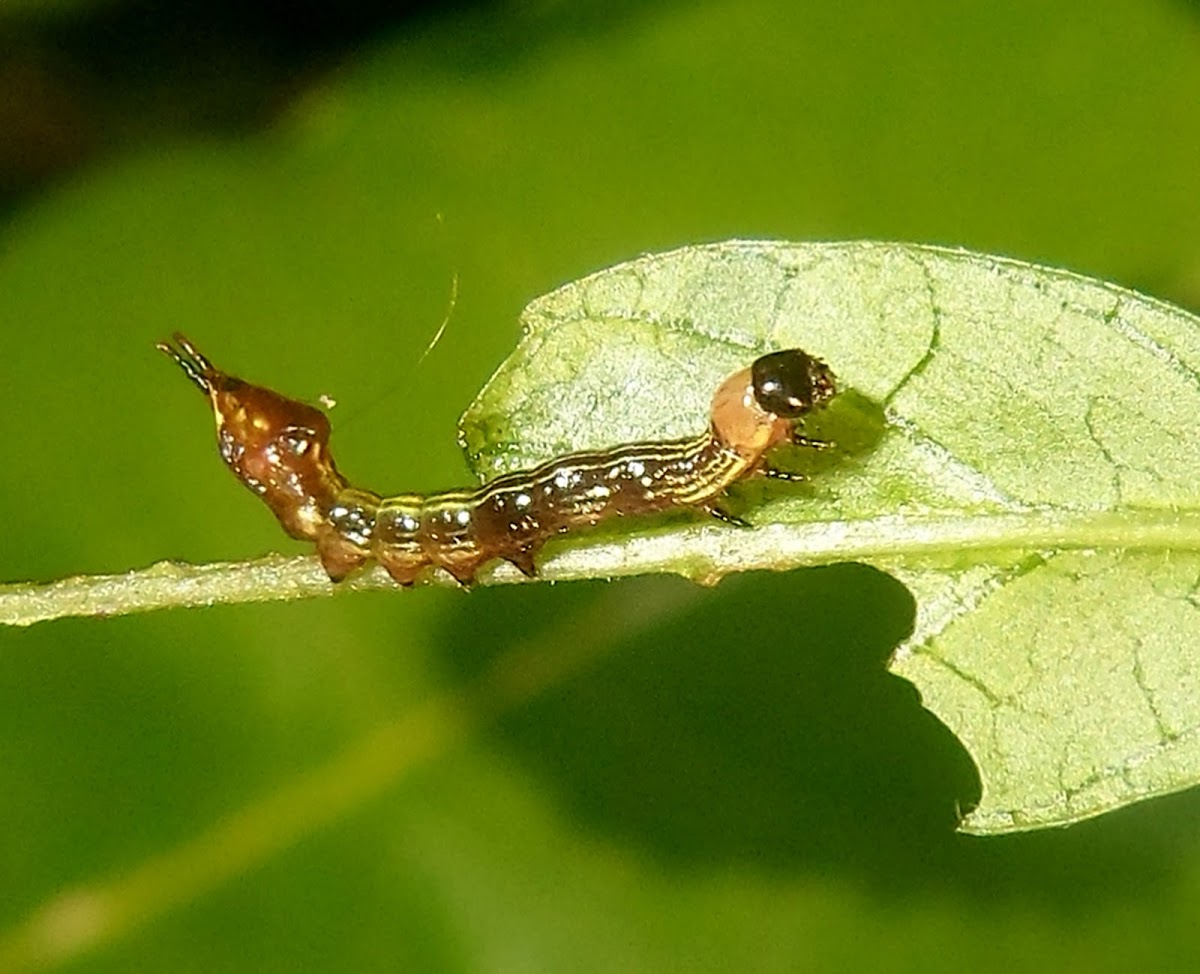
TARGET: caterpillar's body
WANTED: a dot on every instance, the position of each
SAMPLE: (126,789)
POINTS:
(279,448)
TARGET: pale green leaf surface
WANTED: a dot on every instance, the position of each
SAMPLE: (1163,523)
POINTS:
(1032,480)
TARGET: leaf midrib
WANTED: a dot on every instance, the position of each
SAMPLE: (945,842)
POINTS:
(890,537)
(704,553)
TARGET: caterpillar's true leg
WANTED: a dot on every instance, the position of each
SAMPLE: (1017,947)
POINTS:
(799,439)
(776,474)
(723,515)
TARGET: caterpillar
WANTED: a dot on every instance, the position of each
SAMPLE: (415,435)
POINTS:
(279,448)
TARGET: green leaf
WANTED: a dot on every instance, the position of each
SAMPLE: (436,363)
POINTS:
(1017,444)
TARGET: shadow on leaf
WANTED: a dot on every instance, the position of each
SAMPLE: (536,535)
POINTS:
(756,724)
(755,721)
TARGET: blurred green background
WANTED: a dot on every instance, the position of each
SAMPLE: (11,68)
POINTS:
(603,777)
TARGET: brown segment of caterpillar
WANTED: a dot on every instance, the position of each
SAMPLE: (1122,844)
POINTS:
(279,448)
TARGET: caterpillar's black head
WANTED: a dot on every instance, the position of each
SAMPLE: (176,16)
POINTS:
(791,383)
